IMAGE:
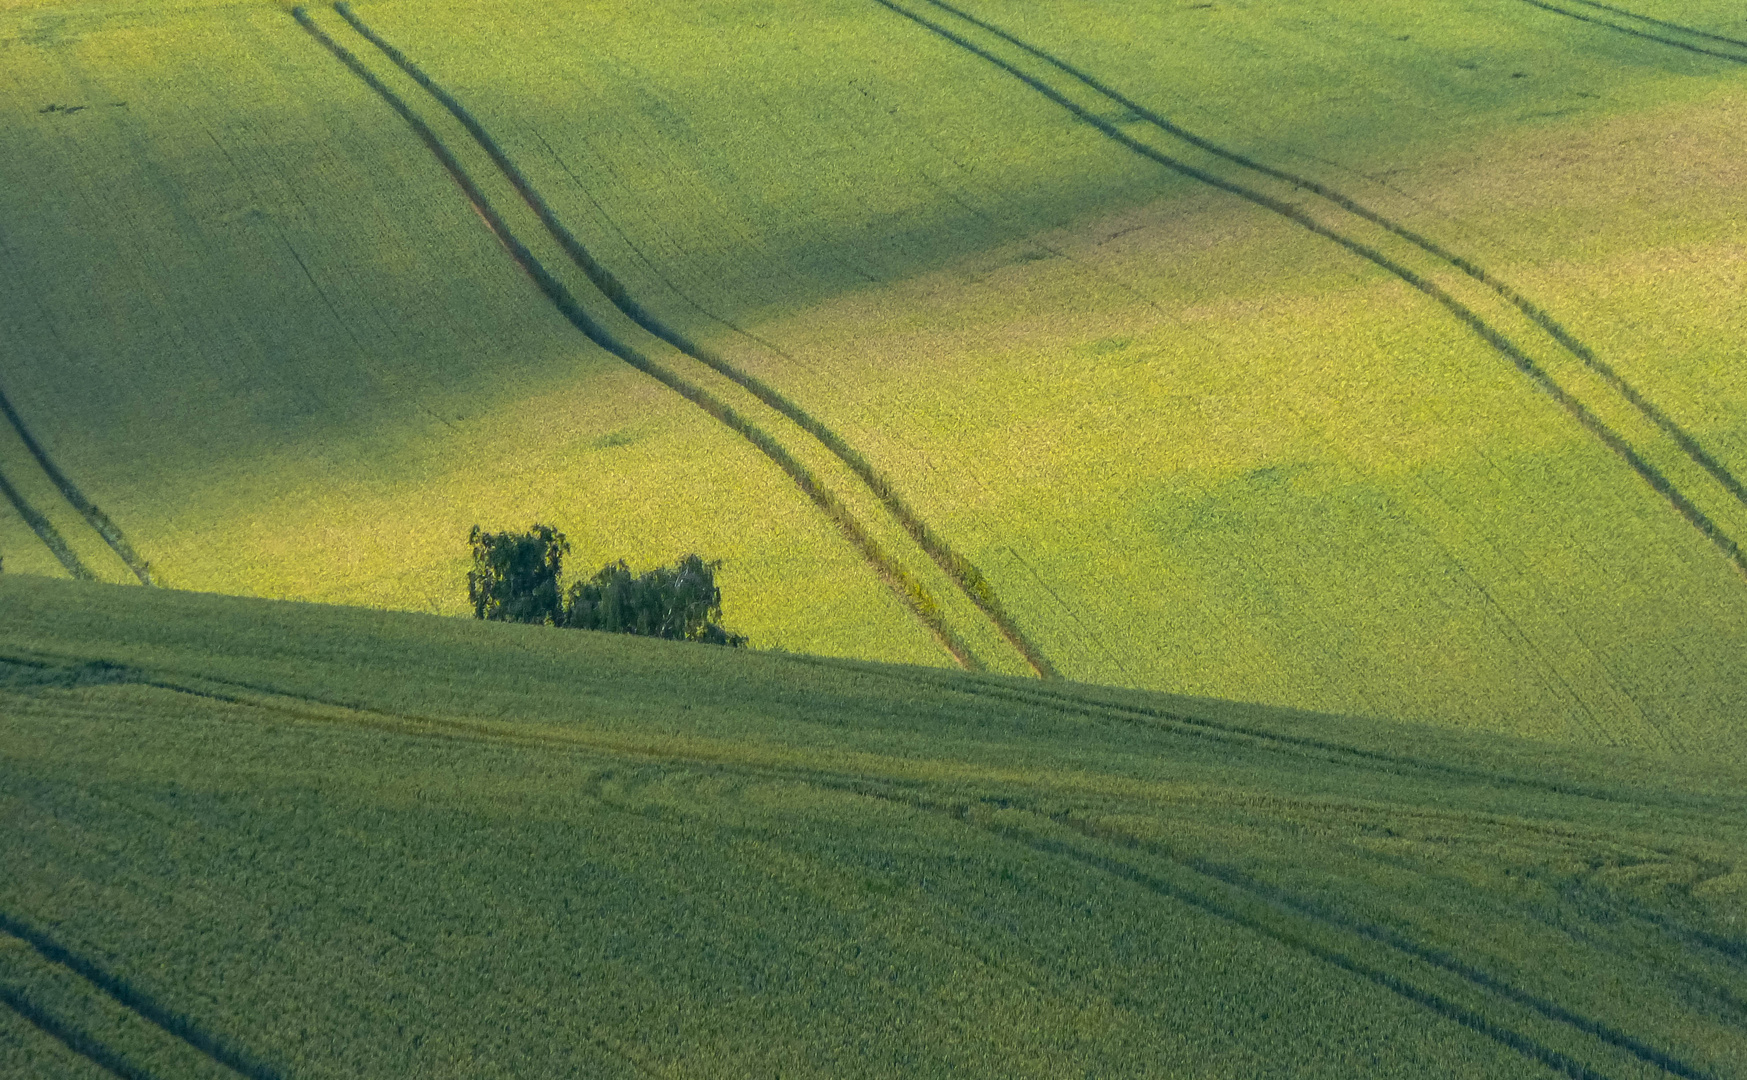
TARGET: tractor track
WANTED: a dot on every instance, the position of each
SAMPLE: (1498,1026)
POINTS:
(45,531)
(1297,747)
(1277,914)
(1260,899)
(70,1036)
(1438,958)
(1737,58)
(1569,342)
(1582,413)
(909,591)
(143,1005)
(957,568)
(96,518)
(1662,23)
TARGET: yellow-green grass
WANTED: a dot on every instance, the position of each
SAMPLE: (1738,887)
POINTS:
(1194,446)
(472,402)
(290,840)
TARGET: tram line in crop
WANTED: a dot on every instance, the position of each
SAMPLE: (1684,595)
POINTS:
(1661,443)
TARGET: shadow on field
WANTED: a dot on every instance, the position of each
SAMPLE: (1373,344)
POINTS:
(1587,418)
(958,569)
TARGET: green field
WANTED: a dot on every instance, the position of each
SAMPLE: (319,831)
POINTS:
(1238,508)
(1374,358)
(265,839)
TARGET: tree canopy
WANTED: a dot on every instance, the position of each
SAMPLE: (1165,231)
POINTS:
(515,579)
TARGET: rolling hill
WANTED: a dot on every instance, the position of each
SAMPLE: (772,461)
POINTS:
(1239,508)
(261,839)
(1371,359)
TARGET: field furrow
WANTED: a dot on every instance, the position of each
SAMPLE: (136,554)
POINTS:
(1255,910)
(1259,906)
(963,574)
(1237,513)
(73,1039)
(1407,948)
(1105,417)
(902,583)
(1583,410)
(27,1049)
(1479,905)
(1664,23)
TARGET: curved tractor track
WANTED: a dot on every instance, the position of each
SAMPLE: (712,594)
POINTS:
(1606,405)
(959,572)
(963,574)
(46,532)
(1447,986)
(903,584)
(99,521)
(1687,38)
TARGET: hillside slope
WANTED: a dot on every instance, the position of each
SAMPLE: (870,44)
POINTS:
(1375,359)
(263,839)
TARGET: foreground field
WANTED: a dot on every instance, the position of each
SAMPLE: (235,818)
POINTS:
(1374,358)
(275,840)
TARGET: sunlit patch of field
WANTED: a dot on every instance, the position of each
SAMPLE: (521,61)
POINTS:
(292,393)
(265,839)
(1190,443)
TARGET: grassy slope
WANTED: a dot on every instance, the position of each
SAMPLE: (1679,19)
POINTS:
(338,841)
(325,426)
(1193,446)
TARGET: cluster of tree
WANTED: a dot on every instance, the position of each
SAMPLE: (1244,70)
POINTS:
(515,579)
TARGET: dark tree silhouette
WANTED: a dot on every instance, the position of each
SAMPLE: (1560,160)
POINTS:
(515,575)
(680,602)
(515,579)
